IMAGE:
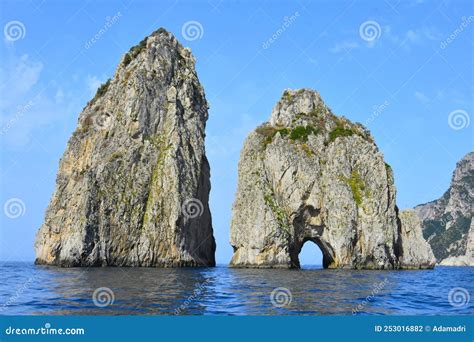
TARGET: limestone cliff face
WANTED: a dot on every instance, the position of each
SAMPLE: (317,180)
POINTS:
(457,258)
(133,184)
(310,175)
(447,222)
(415,250)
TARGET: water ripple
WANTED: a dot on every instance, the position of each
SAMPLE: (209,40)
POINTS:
(26,289)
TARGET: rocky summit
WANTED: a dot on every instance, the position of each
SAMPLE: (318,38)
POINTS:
(133,184)
(447,222)
(309,175)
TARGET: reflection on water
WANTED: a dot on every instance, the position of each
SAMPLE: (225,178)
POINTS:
(29,289)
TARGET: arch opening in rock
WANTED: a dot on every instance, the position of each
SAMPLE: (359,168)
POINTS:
(309,175)
(310,256)
(322,252)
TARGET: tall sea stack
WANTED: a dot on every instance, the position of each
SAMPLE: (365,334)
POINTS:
(308,174)
(133,184)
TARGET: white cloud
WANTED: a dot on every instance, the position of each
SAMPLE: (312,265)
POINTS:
(410,4)
(27,104)
(313,61)
(93,83)
(344,46)
(412,37)
(459,98)
(17,77)
(422,97)
(27,72)
(405,40)
(418,36)
(431,33)
(59,96)
(450,95)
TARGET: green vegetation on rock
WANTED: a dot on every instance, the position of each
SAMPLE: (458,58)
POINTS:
(302,132)
(445,237)
(101,91)
(299,133)
(309,152)
(115,155)
(134,52)
(357,186)
(388,170)
(279,213)
(103,88)
(269,132)
(287,96)
(339,132)
(159,143)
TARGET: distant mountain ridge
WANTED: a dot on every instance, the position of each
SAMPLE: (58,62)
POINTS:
(447,222)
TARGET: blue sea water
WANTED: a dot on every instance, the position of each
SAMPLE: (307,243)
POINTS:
(26,289)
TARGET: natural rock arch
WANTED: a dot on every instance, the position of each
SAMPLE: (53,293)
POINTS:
(310,175)
(326,251)
(305,231)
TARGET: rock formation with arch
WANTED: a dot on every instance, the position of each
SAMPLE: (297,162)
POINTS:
(308,174)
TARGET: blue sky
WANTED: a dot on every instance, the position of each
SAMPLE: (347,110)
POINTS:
(403,68)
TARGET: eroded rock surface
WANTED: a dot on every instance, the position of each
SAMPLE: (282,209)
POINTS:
(466,259)
(416,252)
(447,221)
(310,175)
(133,184)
